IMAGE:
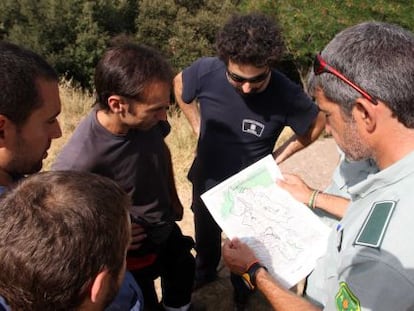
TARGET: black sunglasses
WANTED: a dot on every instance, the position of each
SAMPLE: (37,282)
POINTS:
(321,66)
(238,79)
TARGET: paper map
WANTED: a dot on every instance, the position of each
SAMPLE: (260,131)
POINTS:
(286,235)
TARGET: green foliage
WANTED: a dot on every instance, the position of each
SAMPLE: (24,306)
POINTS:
(309,25)
(154,22)
(72,34)
(77,61)
(183,30)
(194,34)
(115,17)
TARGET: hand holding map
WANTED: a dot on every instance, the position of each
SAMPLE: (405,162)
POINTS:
(286,236)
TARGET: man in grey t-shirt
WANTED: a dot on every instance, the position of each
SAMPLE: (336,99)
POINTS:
(123,138)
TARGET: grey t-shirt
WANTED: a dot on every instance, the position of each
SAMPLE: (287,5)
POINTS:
(136,161)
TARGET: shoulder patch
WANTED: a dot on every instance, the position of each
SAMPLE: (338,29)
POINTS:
(346,300)
(372,231)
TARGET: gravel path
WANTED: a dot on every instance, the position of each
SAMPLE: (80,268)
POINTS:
(315,163)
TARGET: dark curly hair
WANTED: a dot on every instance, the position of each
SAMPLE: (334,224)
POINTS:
(253,39)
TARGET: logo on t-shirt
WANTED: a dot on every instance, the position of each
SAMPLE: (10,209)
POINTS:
(253,127)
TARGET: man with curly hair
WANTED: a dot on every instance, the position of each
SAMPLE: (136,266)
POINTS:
(243,105)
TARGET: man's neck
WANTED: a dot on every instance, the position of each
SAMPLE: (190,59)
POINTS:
(111,122)
(398,144)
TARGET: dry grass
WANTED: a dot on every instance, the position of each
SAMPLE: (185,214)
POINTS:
(182,142)
(75,105)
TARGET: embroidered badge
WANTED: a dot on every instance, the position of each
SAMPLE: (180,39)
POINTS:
(346,300)
(375,225)
(253,127)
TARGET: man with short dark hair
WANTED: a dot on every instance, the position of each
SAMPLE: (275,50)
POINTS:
(362,81)
(244,104)
(64,237)
(29,106)
(123,138)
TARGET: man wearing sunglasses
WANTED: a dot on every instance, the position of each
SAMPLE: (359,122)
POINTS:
(244,104)
(363,82)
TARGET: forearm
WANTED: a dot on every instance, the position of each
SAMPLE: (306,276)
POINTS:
(296,143)
(332,204)
(288,148)
(192,114)
(190,110)
(280,298)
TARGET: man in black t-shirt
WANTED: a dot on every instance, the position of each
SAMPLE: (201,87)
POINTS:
(244,104)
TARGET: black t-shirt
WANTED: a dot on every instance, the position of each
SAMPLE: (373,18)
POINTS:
(238,130)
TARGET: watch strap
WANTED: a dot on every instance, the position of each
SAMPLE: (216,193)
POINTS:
(249,276)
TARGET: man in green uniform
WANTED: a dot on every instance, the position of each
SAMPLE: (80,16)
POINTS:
(363,81)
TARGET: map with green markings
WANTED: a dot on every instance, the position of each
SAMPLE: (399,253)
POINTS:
(287,237)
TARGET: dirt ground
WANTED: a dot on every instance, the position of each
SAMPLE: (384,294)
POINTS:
(315,165)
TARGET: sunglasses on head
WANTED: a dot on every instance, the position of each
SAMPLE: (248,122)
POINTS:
(238,79)
(321,66)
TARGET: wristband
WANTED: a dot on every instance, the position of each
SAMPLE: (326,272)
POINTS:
(312,199)
(249,277)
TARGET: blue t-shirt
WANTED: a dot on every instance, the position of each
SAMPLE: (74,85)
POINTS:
(3,305)
(129,296)
(238,130)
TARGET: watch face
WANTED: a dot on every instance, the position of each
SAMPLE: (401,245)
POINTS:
(247,281)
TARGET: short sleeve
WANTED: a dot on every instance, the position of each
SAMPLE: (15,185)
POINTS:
(302,111)
(373,285)
(193,74)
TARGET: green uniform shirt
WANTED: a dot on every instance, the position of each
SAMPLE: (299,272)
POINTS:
(345,175)
(369,263)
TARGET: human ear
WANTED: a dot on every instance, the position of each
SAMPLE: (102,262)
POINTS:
(98,286)
(364,113)
(116,104)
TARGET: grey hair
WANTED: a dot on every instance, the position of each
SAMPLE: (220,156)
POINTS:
(377,56)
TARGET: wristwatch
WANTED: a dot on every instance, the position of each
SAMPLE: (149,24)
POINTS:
(249,277)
